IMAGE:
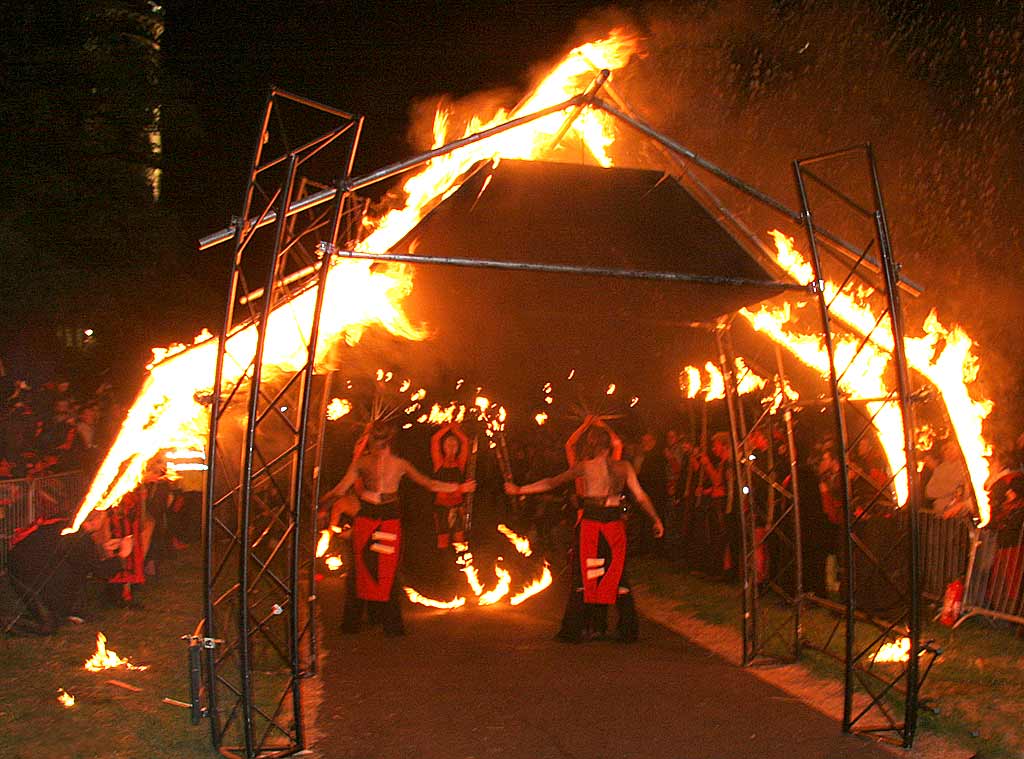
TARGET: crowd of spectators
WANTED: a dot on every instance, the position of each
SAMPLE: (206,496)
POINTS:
(51,428)
(692,485)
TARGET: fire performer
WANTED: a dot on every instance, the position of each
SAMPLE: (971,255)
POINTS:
(449,450)
(377,533)
(598,567)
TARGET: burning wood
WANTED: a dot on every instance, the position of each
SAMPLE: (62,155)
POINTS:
(104,658)
(893,652)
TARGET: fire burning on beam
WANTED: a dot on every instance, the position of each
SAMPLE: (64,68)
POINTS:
(943,356)
(168,409)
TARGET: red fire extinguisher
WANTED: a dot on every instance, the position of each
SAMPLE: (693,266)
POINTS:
(952,602)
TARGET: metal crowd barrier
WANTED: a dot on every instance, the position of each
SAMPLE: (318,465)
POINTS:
(994,579)
(945,552)
(25,500)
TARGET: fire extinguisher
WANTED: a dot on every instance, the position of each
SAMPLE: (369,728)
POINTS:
(952,602)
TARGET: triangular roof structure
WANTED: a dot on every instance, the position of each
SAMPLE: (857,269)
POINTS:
(556,213)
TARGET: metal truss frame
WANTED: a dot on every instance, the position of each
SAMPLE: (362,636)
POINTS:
(257,635)
(256,507)
(880,538)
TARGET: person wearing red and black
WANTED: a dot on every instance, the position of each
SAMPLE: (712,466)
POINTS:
(1006,500)
(377,531)
(449,451)
(598,566)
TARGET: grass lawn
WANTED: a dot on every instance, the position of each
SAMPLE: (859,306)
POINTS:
(108,721)
(974,694)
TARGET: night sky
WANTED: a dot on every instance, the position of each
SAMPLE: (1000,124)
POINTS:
(752,85)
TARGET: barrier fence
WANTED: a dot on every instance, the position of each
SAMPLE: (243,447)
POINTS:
(26,500)
(992,574)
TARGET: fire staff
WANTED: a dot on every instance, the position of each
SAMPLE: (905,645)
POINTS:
(377,532)
(598,567)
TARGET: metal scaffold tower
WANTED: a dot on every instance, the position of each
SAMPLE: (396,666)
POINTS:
(257,639)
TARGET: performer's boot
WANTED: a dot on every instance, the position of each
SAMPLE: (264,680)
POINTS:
(572,621)
(391,614)
(596,616)
(352,615)
(628,630)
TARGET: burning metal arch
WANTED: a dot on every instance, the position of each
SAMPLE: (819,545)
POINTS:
(288,472)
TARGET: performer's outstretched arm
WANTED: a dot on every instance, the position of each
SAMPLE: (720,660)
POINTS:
(642,498)
(414,474)
(548,483)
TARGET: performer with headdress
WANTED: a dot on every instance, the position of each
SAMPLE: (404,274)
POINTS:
(598,567)
(449,450)
(377,532)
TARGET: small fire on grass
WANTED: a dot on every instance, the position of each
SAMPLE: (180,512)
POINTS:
(896,651)
(104,658)
(65,698)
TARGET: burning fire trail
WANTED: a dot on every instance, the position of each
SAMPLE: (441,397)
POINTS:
(168,411)
(521,544)
(416,598)
(104,658)
(943,356)
(534,588)
(500,590)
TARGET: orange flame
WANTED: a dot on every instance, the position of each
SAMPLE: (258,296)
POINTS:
(334,563)
(500,590)
(534,588)
(951,370)
(65,698)
(422,600)
(167,410)
(522,544)
(541,418)
(104,658)
(323,543)
(337,408)
(895,651)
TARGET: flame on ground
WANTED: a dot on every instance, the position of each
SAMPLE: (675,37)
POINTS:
(104,658)
(895,651)
(65,698)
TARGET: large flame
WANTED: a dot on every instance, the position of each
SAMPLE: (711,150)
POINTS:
(943,356)
(168,410)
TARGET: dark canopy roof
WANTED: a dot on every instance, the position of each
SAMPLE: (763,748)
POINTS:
(509,323)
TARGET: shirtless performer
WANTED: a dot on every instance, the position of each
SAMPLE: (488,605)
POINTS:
(598,575)
(377,532)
